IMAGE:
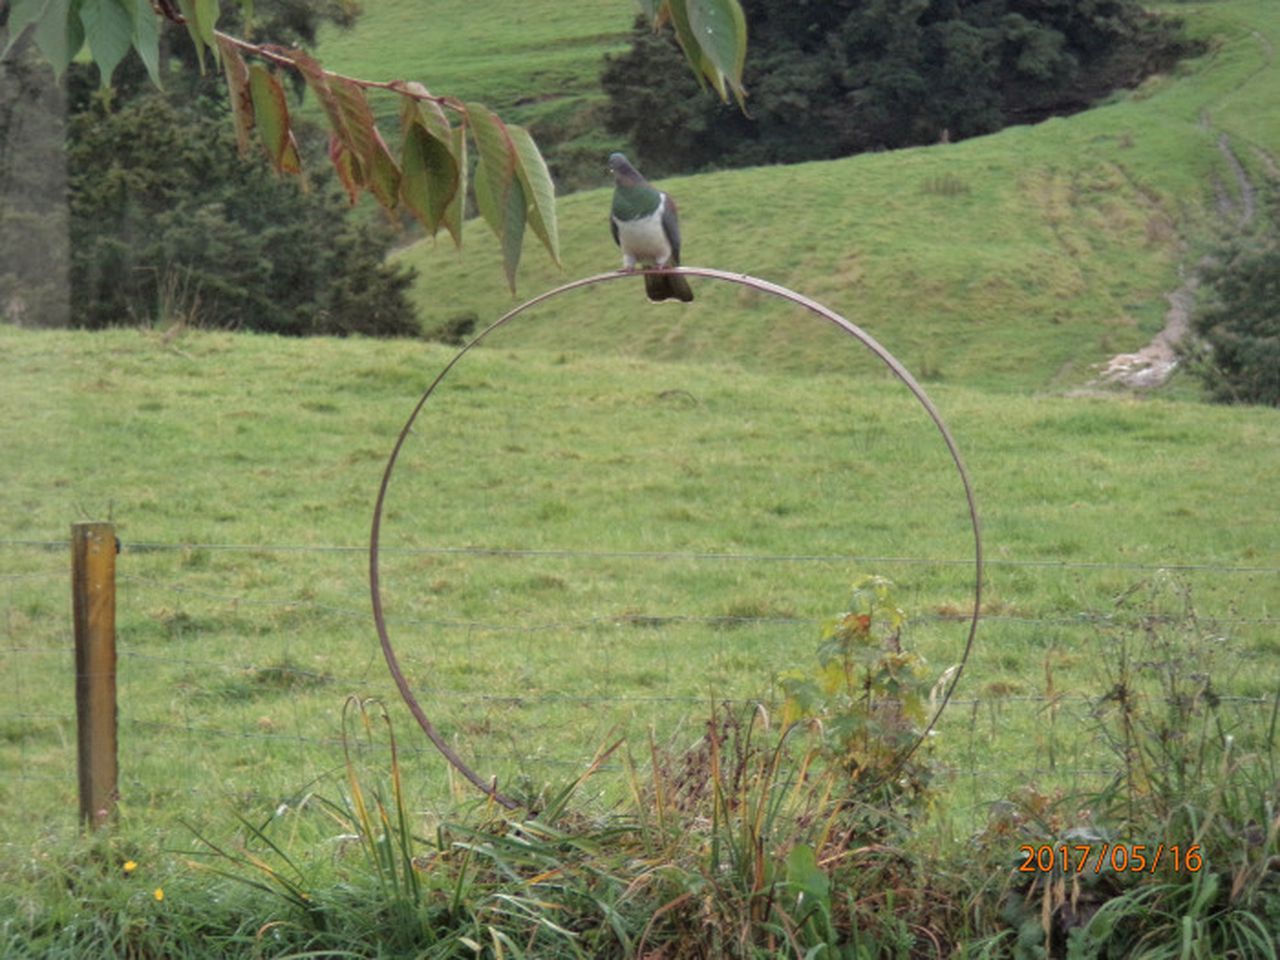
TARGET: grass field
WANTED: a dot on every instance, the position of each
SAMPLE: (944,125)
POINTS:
(537,64)
(642,515)
(578,548)
(612,515)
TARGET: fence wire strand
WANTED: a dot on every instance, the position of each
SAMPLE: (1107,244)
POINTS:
(233,691)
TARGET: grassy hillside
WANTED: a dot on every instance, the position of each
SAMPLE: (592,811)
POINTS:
(536,63)
(500,54)
(1014,261)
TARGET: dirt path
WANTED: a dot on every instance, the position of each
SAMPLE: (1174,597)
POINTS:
(1154,364)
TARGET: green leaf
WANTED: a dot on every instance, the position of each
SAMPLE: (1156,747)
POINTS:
(208,12)
(513,232)
(22,14)
(108,29)
(202,25)
(719,29)
(192,24)
(429,170)
(806,877)
(455,215)
(678,12)
(650,10)
(384,173)
(272,115)
(539,190)
(146,39)
(59,33)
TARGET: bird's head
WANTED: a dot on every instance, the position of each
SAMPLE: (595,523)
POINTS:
(624,174)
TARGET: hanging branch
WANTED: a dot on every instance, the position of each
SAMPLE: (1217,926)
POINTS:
(427,171)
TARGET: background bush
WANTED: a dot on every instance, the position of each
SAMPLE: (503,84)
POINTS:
(168,222)
(1239,318)
(847,76)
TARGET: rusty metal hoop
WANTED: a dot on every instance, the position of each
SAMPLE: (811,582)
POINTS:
(895,367)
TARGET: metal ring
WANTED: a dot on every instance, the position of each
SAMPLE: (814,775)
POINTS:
(895,367)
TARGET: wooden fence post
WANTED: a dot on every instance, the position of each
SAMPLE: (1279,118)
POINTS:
(93,589)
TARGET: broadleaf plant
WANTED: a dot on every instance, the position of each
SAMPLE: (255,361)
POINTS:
(868,696)
(428,175)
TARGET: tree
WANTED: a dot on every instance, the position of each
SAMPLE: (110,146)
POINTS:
(33,187)
(1238,321)
(427,174)
(838,77)
(169,222)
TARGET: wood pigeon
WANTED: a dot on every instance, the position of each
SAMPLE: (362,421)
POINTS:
(645,226)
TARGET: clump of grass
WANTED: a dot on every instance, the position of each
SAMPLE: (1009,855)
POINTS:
(945,185)
(759,838)
(1191,817)
(278,676)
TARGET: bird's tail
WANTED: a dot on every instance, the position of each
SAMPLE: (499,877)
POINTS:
(667,286)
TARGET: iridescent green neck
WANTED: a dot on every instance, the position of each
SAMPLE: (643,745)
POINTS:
(631,203)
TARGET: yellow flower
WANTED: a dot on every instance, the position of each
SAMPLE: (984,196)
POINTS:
(159,895)
(130,866)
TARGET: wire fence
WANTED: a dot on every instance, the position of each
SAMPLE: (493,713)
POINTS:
(235,662)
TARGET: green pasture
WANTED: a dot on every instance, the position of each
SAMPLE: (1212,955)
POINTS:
(501,55)
(576,549)
(536,63)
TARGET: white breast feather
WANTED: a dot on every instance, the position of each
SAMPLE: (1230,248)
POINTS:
(644,240)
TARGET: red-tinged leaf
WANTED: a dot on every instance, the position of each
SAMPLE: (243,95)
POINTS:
(291,160)
(539,190)
(239,94)
(496,169)
(359,134)
(344,162)
(318,81)
(429,175)
(272,114)
(492,140)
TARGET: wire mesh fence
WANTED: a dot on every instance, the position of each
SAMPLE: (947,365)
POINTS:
(235,662)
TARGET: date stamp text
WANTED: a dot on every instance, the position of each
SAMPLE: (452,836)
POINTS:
(1115,857)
